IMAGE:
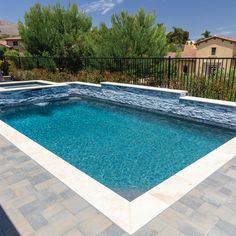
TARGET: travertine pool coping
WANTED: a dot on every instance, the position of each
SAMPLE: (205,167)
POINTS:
(130,216)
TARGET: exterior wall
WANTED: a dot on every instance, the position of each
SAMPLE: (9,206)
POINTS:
(234,52)
(223,48)
(167,101)
(203,66)
(18,47)
(189,45)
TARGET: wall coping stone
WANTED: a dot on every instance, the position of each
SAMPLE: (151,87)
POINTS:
(40,87)
(181,92)
(85,84)
(208,101)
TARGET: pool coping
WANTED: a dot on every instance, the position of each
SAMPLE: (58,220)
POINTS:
(130,216)
(208,101)
(47,84)
(144,87)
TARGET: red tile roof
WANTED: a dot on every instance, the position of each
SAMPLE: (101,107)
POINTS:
(4,44)
(186,53)
(189,53)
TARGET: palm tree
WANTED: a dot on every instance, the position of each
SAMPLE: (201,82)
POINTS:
(206,34)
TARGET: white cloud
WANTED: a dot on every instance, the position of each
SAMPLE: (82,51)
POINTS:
(232,26)
(102,6)
(226,32)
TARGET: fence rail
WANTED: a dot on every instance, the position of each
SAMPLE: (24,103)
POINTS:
(205,77)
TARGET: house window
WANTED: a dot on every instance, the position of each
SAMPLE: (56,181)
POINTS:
(15,43)
(213,51)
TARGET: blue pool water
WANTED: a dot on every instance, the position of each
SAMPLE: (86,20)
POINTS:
(128,150)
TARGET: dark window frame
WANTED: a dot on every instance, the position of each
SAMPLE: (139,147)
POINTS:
(213,51)
(15,43)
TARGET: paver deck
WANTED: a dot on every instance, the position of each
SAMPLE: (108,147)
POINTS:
(34,202)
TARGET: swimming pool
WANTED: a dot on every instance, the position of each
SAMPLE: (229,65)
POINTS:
(128,150)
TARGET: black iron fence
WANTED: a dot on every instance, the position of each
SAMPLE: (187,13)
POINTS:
(205,77)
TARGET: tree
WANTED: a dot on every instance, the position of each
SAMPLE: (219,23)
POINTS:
(206,34)
(54,30)
(132,36)
(177,37)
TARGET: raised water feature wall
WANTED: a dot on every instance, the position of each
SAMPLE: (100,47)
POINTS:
(167,101)
(26,95)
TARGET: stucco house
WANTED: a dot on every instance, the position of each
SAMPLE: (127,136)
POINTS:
(197,56)
(185,60)
(217,47)
(13,43)
(189,51)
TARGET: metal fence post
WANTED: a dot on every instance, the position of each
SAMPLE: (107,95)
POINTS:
(169,71)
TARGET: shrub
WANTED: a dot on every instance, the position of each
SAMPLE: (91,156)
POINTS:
(4,67)
(197,86)
(83,76)
(2,51)
(213,88)
(27,63)
(11,53)
(46,63)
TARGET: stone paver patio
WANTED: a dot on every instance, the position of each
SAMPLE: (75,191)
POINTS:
(34,202)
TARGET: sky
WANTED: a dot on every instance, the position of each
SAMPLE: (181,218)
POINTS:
(217,16)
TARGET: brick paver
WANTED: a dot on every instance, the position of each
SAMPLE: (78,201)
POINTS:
(34,202)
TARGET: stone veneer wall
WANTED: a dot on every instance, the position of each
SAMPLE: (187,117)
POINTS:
(17,97)
(172,102)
